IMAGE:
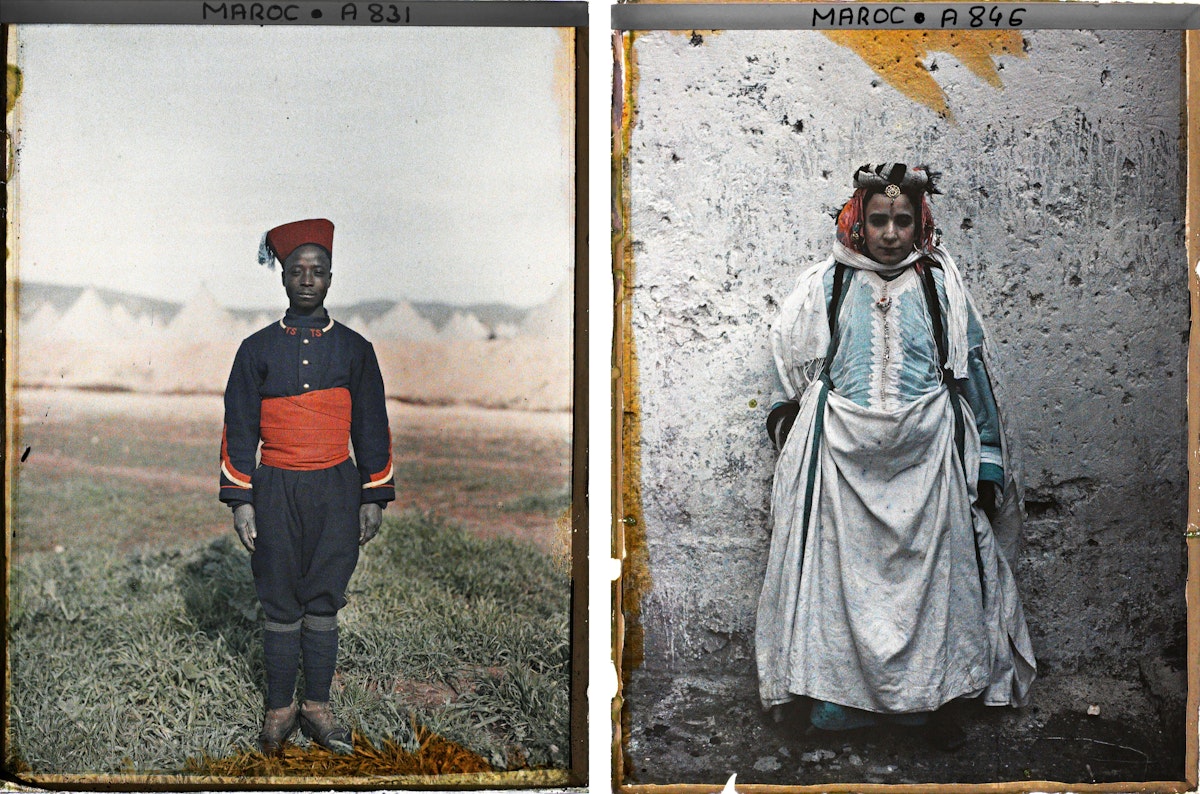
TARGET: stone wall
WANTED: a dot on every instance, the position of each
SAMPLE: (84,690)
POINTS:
(1063,184)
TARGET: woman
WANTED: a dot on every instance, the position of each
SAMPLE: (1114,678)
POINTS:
(886,591)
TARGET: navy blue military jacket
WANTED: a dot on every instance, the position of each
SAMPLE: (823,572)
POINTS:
(306,388)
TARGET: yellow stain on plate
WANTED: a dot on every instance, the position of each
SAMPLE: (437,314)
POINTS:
(564,85)
(14,82)
(898,57)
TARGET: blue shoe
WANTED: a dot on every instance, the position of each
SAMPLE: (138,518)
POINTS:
(832,717)
(913,719)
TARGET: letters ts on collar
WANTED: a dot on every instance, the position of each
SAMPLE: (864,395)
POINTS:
(319,319)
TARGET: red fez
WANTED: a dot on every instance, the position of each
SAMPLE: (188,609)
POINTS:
(287,238)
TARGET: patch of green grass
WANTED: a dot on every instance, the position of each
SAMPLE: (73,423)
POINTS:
(111,671)
(79,510)
(139,663)
(529,706)
(431,473)
(487,574)
(550,503)
(457,475)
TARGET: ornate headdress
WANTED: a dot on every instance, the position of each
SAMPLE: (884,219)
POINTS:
(893,180)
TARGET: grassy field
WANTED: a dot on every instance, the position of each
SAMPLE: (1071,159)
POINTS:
(134,633)
(144,662)
(138,473)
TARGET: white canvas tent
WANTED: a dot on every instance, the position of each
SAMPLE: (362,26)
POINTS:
(203,318)
(464,325)
(87,318)
(401,321)
(552,321)
(41,324)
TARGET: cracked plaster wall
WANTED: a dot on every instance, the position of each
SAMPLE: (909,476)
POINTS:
(1063,207)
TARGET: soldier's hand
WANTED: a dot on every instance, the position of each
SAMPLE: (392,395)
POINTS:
(243,523)
(370,516)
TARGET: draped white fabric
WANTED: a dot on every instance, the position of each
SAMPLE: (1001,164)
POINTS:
(897,597)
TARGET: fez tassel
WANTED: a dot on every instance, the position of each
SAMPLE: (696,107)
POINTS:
(265,257)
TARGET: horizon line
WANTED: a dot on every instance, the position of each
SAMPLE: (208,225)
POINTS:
(336,304)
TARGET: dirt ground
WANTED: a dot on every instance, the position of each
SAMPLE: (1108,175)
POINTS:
(85,456)
(710,729)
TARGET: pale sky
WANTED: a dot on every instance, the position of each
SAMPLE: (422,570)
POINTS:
(151,159)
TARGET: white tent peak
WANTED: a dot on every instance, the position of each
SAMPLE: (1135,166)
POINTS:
(87,318)
(201,314)
(41,323)
(401,321)
(464,325)
(552,320)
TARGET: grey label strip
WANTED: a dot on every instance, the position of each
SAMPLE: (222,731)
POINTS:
(492,13)
(904,16)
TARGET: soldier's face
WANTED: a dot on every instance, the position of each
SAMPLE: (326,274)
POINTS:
(890,227)
(306,278)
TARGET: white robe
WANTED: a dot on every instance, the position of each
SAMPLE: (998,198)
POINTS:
(896,597)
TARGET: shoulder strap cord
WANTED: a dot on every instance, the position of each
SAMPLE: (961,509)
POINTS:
(935,316)
(939,335)
(835,304)
(840,282)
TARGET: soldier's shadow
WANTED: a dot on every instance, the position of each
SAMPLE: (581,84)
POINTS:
(218,594)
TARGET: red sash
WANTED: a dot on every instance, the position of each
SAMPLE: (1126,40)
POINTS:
(306,432)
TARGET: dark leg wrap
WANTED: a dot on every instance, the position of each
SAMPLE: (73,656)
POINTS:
(281,655)
(319,636)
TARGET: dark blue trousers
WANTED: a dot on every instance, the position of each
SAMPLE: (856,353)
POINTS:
(307,544)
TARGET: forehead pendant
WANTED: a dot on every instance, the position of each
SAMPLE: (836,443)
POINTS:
(892,192)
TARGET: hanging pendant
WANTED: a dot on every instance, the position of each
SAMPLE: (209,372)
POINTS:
(884,303)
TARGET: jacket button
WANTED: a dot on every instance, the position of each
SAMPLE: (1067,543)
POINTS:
(306,385)
(305,361)
(306,341)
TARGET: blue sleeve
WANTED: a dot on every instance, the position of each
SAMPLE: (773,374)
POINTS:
(369,432)
(977,389)
(239,436)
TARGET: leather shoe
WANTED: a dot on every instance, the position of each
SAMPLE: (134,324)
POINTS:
(278,725)
(318,724)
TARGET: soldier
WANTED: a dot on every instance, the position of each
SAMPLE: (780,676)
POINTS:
(305,387)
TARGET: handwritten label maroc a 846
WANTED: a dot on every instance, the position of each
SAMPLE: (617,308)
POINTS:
(898,16)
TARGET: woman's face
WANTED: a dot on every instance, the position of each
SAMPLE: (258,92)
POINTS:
(890,227)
